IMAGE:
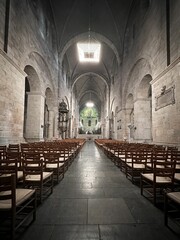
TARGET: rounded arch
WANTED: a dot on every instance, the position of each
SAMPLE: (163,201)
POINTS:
(49,97)
(140,69)
(86,92)
(144,88)
(33,78)
(48,130)
(36,61)
(143,110)
(35,56)
(45,72)
(90,73)
(130,101)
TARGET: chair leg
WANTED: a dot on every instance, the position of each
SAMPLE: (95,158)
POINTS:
(13,223)
(165,210)
(154,194)
(35,206)
(141,185)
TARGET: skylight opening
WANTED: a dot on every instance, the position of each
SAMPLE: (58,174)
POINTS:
(89,104)
(89,52)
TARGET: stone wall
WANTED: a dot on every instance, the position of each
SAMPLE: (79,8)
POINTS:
(32,44)
(166,106)
(148,42)
(11,101)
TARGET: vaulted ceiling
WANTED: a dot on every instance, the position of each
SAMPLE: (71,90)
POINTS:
(106,21)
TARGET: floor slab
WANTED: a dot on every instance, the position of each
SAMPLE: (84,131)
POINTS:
(108,211)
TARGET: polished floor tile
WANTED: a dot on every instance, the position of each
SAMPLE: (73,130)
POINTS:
(136,231)
(63,211)
(108,211)
(75,232)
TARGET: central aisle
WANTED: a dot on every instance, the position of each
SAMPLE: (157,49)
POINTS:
(95,201)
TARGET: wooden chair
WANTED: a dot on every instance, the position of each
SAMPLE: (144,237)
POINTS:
(172,207)
(54,164)
(12,156)
(11,167)
(137,166)
(16,205)
(126,160)
(3,150)
(34,175)
(13,148)
(161,177)
(120,157)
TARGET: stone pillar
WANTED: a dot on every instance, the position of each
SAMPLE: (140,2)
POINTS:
(128,134)
(142,120)
(51,124)
(35,117)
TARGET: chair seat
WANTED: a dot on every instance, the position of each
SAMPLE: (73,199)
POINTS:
(177,176)
(21,196)
(38,176)
(149,165)
(63,159)
(54,165)
(178,166)
(150,177)
(19,174)
(128,160)
(136,165)
(174,196)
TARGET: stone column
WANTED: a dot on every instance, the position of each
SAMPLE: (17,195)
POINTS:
(142,120)
(35,117)
(51,124)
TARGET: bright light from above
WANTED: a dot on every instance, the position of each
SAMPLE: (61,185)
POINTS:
(89,52)
(90,104)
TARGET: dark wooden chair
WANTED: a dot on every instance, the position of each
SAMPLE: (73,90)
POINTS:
(16,205)
(137,166)
(53,163)
(34,175)
(172,207)
(161,177)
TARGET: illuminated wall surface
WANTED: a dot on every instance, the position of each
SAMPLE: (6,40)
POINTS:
(89,121)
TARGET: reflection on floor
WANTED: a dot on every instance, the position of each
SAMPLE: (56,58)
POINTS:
(95,201)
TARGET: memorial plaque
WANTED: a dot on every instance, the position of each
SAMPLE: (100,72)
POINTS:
(165,98)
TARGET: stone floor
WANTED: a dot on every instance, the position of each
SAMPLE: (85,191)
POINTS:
(95,201)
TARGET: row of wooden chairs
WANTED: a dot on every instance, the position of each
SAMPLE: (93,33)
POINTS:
(156,168)
(27,175)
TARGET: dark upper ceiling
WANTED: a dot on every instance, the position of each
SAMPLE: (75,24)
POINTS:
(107,21)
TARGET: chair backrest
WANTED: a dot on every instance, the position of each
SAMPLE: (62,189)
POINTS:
(13,148)
(175,156)
(164,169)
(51,157)
(14,155)
(32,165)
(139,157)
(8,190)
(9,166)
(3,152)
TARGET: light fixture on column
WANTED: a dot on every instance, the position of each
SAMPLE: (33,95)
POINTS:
(89,51)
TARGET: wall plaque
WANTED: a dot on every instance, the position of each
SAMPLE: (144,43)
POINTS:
(165,98)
